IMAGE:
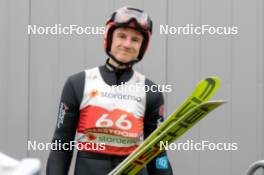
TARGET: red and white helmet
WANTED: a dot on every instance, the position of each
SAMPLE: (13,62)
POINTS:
(122,18)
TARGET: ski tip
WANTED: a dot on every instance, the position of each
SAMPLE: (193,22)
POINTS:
(224,101)
(214,78)
(207,87)
(215,102)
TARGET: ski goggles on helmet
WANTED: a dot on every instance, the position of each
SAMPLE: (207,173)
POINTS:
(125,15)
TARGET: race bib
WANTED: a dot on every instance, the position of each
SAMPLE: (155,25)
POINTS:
(118,129)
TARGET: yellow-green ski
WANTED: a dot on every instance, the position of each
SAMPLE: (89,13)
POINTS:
(205,89)
(136,161)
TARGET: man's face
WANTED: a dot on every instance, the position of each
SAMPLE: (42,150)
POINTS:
(126,44)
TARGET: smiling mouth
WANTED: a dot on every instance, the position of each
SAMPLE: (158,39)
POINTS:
(124,52)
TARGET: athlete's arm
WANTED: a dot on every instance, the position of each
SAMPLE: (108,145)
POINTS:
(153,116)
(60,159)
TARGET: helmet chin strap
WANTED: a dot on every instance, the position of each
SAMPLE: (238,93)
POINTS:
(120,63)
